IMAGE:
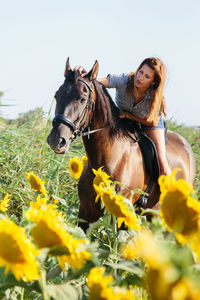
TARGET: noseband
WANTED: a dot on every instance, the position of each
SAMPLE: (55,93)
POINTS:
(73,125)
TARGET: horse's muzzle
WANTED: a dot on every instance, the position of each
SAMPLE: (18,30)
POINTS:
(60,145)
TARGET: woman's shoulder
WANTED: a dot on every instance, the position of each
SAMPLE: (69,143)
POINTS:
(117,80)
(121,75)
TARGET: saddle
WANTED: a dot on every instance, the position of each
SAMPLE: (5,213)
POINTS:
(149,153)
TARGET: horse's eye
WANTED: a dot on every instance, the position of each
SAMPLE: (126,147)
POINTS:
(83,99)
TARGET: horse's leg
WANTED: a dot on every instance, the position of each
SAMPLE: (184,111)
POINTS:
(89,210)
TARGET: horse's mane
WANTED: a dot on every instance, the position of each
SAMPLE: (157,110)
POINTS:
(108,113)
(106,110)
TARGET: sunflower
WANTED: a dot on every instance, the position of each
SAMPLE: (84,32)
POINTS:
(84,160)
(160,281)
(17,253)
(36,183)
(185,289)
(107,294)
(78,255)
(42,202)
(144,246)
(100,181)
(116,206)
(117,293)
(180,212)
(97,281)
(49,231)
(5,203)
(75,167)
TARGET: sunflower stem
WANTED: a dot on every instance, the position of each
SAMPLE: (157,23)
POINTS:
(114,228)
(42,283)
(115,244)
(195,258)
(22,294)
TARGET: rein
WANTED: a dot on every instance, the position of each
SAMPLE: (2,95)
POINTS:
(90,105)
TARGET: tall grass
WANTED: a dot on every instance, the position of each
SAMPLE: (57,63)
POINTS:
(23,148)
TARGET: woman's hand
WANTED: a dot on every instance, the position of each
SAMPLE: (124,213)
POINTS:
(122,114)
(82,71)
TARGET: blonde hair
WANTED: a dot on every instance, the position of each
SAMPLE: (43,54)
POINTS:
(157,88)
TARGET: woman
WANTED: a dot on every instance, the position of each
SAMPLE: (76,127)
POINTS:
(139,97)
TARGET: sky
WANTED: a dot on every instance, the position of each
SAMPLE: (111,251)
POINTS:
(36,37)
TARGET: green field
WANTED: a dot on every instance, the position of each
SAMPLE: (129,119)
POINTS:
(23,149)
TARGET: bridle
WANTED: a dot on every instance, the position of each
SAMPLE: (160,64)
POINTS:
(89,109)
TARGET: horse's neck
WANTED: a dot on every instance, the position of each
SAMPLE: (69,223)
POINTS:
(97,144)
(96,147)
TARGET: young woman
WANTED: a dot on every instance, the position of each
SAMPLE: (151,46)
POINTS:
(139,97)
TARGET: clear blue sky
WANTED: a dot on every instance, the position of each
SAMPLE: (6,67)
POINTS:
(37,37)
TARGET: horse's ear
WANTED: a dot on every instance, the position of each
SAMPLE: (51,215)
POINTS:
(92,75)
(67,67)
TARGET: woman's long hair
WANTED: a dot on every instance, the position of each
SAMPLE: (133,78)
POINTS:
(158,103)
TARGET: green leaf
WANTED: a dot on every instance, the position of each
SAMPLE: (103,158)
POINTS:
(53,272)
(58,250)
(128,266)
(62,291)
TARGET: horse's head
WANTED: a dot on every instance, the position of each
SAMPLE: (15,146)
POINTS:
(74,105)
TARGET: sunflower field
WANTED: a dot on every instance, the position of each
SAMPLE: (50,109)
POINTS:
(45,255)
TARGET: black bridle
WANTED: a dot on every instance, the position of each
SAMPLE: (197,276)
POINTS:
(73,125)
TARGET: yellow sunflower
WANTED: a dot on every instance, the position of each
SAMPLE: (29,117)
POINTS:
(41,201)
(97,281)
(144,246)
(179,210)
(49,231)
(160,281)
(36,183)
(115,205)
(185,289)
(78,255)
(84,160)
(5,203)
(17,253)
(100,181)
(75,167)
(107,293)
(118,293)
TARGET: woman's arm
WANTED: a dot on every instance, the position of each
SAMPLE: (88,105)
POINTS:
(104,81)
(125,115)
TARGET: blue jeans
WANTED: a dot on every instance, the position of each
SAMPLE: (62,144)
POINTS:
(160,125)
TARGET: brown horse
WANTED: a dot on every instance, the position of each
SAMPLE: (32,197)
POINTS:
(84,108)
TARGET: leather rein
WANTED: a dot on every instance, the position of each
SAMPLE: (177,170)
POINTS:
(89,108)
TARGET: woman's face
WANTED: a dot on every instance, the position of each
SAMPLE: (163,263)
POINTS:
(144,77)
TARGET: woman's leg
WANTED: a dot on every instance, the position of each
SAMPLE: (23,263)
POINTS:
(158,137)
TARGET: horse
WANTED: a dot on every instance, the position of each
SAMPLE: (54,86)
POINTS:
(85,108)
